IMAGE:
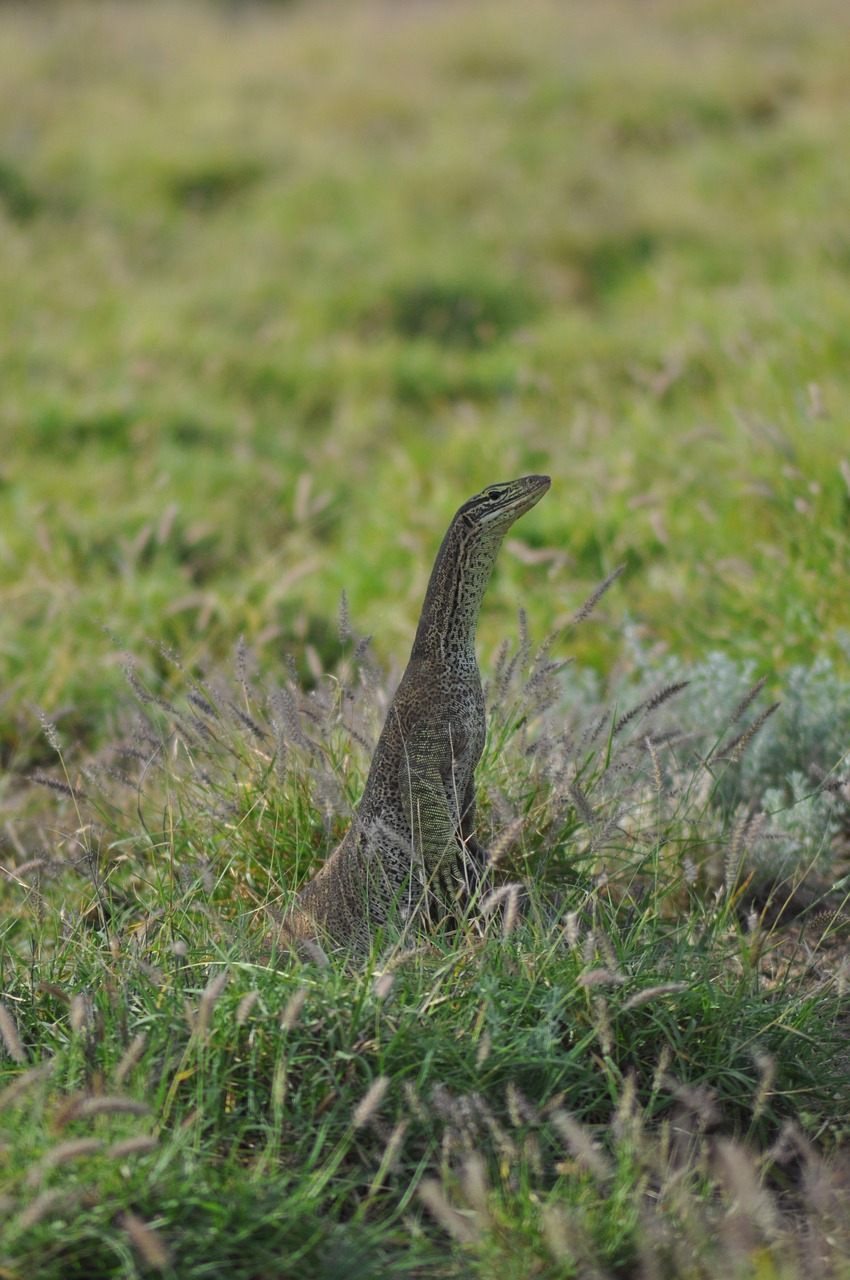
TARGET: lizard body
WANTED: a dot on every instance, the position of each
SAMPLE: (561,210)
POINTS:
(411,847)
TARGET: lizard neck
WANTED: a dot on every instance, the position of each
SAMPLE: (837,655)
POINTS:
(446,633)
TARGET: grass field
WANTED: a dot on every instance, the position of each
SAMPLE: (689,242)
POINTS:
(280,286)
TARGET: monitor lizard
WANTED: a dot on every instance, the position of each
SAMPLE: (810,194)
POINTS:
(411,849)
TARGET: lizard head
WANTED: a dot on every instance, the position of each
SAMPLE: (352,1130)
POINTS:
(495,509)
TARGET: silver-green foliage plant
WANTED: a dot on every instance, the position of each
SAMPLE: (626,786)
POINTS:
(784,772)
(801,829)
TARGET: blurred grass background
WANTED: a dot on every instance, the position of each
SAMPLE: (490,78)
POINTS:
(282,285)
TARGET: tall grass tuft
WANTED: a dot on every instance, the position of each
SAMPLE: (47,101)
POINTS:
(599,1068)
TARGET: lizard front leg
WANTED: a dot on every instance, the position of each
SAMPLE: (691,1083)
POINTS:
(426,782)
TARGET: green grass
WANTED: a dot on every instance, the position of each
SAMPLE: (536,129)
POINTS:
(280,287)
(623,1055)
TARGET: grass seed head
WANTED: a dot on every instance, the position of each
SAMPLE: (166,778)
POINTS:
(382,985)
(208,1001)
(504,841)
(473,1182)
(48,728)
(511,912)
(48,1204)
(62,1153)
(292,1009)
(601,978)
(657,776)
(80,1013)
(106,1105)
(580,1145)
(370,1104)
(18,1089)
(9,1035)
(141,1145)
(245,1006)
(748,698)
(595,596)
(148,1243)
(343,619)
(653,993)
(738,746)
(130,1058)
(461,1227)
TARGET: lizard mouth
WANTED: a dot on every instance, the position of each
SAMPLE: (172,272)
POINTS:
(537,486)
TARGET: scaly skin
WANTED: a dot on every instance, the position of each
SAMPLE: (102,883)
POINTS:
(411,849)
